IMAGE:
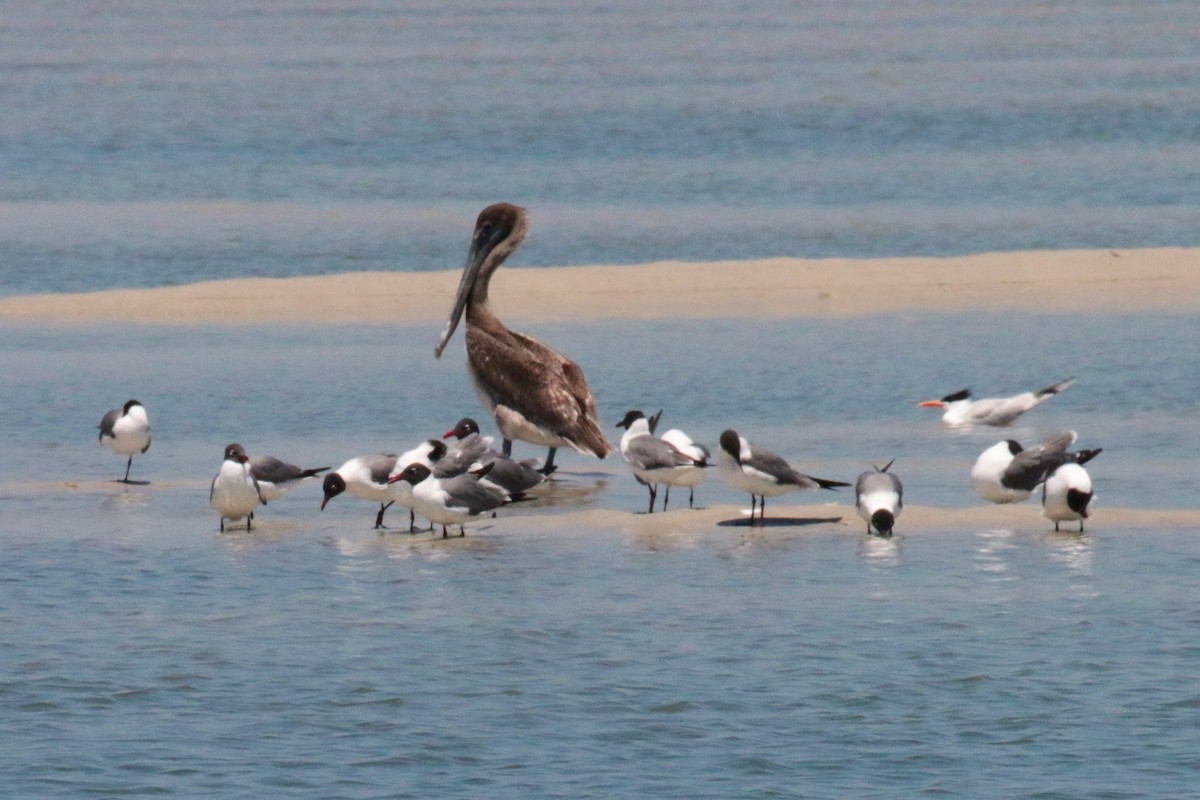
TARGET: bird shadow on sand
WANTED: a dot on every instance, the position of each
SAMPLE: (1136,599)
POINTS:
(777,522)
(130,483)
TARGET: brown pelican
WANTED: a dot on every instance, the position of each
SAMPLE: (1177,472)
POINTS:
(536,394)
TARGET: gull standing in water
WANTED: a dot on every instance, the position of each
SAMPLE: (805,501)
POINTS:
(235,492)
(654,460)
(452,500)
(690,477)
(126,431)
(879,497)
(1008,473)
(536,394)
(515,477)
(762,473)
(960,409)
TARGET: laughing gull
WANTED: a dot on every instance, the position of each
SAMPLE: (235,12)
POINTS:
(762,473)
(536,395)
(1066,494)
(1008,473)
(364,477)
(960,409)
(691,477)
(126,431)
(443,462)
(448,501)
(514,477)
(235,492)
(276,478)
(879,498)
(653,460)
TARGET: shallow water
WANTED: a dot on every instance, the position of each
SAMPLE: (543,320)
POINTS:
(146,653)
(156,145)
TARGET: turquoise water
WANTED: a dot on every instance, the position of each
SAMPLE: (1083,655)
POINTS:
(148,145)
(145,653)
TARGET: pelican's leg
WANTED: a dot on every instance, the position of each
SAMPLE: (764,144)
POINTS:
(379,517)
(548,467)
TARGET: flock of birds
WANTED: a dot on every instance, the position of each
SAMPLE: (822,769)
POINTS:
(540,396)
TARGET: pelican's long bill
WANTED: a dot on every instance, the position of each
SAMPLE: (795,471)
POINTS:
(481,247)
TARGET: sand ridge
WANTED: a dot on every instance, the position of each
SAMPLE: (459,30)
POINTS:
(1161,280)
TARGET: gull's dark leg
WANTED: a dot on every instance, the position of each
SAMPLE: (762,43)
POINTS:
(128,464)
(379,517)
(507,448)
(666,498)
(548,467)
(653,493)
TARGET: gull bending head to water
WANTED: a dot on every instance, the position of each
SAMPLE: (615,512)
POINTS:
(879,497)
(365,477)
(535,394)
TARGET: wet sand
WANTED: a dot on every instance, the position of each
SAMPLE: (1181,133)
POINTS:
(1069,281)
(548,515)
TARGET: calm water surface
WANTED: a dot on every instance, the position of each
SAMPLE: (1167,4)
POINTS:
(149,145)
(146,653)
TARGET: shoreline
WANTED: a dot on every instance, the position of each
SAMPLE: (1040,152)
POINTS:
(796,517)
(1165,280)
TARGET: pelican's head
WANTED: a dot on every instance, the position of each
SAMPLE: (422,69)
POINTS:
(499,229)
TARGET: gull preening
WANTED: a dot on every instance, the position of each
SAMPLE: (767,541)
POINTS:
(762,473)
(126,431)
(960,409)
(1066,494)
(1009,473)
(535,394)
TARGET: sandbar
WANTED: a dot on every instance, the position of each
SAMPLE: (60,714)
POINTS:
(1159,280)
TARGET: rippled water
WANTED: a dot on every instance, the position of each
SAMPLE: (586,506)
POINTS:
(148,145)
(143,652)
